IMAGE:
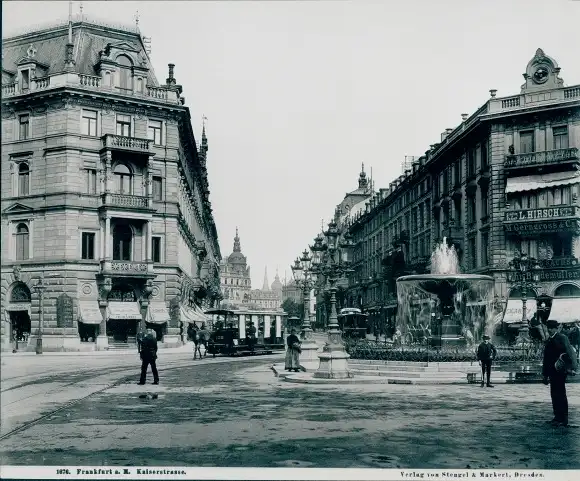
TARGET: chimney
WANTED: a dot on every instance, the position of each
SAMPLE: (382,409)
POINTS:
(464,117)
(171,79)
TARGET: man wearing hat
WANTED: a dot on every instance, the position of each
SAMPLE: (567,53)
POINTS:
(559,361)
(486,353)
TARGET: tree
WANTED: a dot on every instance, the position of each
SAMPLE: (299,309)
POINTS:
(292,308)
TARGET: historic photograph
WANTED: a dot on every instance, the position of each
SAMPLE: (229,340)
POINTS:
(301,234)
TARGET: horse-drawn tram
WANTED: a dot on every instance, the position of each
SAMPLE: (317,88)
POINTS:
(244,332)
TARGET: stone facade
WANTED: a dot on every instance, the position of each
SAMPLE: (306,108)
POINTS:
(104,191)
(504,180)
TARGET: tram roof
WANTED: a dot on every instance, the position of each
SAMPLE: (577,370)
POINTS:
(224,312)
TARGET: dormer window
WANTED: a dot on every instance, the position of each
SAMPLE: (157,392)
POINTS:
(125,73)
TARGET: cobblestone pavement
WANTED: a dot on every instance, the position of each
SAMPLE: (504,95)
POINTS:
(239,414)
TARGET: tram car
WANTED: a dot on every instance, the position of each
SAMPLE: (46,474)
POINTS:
(244,332)
(353,323)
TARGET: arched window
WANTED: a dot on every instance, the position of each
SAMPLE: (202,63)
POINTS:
(23,179)
(125,74)
(122,241)
(123,179)
(567,290)
(22,242)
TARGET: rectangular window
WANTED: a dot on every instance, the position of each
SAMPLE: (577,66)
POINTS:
(91,181)
(560,137)
(88,245)
(484,248)
(471,209)
(472,255)
(89,122)
(156,248)
(25,76)
(155,131)
(527,142)
(457,212)
(470,162)
(157,188)
(24,121)
(124,125)
(484,158)
(484,203)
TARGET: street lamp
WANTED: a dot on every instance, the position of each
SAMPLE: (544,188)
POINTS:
(304,272)
(334,358)
(524,265)
(40,288)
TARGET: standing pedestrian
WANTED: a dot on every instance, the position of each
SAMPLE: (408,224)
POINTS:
(559,361)
(148,354)
(204,336)
(293,351)
(486,354)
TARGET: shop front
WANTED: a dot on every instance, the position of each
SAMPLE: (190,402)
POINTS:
(123,318)
(89,320)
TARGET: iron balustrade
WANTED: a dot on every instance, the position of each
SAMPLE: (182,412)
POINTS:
(545,157)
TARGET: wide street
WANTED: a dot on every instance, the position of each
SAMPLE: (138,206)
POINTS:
(224,412)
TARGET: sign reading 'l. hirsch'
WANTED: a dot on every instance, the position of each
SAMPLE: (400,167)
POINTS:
(538,214)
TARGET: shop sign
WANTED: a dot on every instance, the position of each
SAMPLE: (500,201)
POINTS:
(64,311)
(550,275)
(538,227)
(539,214)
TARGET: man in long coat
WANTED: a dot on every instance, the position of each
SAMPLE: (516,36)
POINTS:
(559,360)
(148,354)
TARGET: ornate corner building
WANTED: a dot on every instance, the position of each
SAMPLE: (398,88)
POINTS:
(105,194)
(506,179)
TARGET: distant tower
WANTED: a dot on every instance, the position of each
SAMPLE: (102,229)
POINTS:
(363,182)
(266,286)
(237,246)
(203,148)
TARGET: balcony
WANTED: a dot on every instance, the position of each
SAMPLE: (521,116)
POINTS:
(124,201)
(542,159)
(564,218)
(140,269)
(127,144)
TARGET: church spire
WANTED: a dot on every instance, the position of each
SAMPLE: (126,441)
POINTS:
(237,247)
(266,286)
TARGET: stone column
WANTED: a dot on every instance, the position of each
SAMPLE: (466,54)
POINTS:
(107,237)
(149,242)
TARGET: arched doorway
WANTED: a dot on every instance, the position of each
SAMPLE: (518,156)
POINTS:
(19,312)
(566,305)
(567,290)
(123,315)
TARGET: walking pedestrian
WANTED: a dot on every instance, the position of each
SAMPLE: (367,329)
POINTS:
(559,361)
(293,352)
(574,337)
(148,354)
(204,336)
(196,343)
(486,354)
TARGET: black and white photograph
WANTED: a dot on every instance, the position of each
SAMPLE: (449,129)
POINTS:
(303,239)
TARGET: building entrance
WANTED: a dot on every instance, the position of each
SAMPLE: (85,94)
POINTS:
(20,321)
(122,330)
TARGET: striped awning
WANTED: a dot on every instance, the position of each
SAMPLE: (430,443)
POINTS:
(89,312)
(565,309)
(535,182)
(124,310)
(158,313)
(514,310)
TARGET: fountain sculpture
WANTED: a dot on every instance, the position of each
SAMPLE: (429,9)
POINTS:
(433,307)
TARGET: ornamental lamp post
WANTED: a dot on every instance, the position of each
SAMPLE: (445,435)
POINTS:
(334,358)
(40,288)
(523,265)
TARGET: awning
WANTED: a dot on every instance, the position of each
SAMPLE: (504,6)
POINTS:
(514,310)
(124,310)
(534,182)
(200,315)
(187,315)
(565,309)
(158,313)
(89,312)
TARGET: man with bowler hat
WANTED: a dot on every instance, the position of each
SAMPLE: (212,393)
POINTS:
(559,361)
(486,353)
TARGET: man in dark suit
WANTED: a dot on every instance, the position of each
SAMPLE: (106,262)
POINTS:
(148,354)
(559,360)
(486,353)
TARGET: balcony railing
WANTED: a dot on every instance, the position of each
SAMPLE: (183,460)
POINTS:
(91,82)
(127,268)
(127,201)
(536,159)
(119,142)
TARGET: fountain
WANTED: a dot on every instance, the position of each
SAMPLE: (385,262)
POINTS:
(433,307)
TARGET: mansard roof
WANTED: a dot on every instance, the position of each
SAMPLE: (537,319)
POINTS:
(89,40)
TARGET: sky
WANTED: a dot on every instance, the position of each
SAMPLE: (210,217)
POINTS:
(299,94)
